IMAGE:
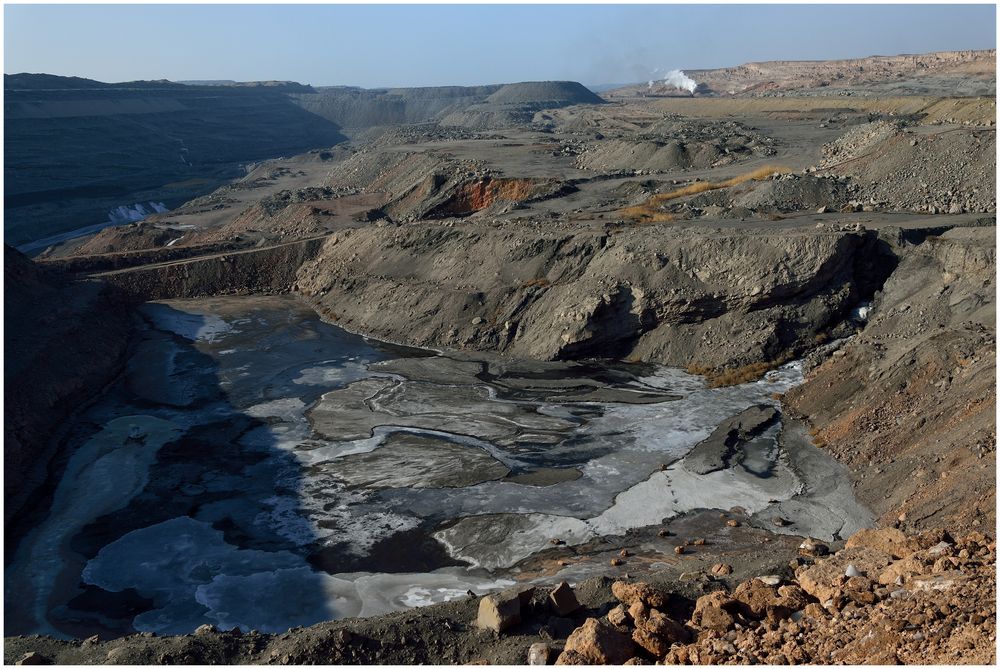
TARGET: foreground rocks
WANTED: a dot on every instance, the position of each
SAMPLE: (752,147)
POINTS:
(927,598)
(924,599)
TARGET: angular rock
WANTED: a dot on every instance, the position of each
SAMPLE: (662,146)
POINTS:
(757,598)
(499,612)
(715,611)
(664,627)
(597,643)
(813,548)
(618,616)
(638,612)
(653,644)
(793,597)
(563,599)
(571,657)
(716,618)
(721,569)
(540,653)
(524,595)
(33,658)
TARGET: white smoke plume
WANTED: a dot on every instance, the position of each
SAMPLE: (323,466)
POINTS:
(678,79)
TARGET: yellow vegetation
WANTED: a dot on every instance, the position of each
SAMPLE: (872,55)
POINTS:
(733,376)
(648,211)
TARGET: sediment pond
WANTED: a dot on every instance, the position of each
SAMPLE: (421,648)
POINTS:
(256,467)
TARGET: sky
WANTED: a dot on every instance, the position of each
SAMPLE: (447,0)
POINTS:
(427,45)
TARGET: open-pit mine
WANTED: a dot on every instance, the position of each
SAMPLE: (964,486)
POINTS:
(698,370)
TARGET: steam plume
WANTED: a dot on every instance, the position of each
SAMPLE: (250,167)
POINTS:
(678,79)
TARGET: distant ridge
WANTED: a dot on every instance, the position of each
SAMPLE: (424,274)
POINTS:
(39,82)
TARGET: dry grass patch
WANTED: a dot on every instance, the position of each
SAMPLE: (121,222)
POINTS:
(734,376)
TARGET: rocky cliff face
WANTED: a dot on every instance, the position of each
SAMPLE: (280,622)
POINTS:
(910,403)
(63,342)
(672,295)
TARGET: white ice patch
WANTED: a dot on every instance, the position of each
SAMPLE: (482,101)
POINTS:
(288,409)
(509,539)
(102,476)
(860,313)
(337,374)
(382,593)
(130,213)
(192,326)
(190,571)
(195,577)
(676,491)
(616,491)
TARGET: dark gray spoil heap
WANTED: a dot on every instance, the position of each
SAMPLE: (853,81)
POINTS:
(546,93)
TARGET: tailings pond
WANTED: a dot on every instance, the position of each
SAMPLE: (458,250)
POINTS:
(258,468)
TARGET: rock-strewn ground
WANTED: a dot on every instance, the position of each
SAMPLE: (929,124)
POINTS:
(910,403)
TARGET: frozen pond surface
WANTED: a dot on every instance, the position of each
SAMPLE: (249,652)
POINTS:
(258,468)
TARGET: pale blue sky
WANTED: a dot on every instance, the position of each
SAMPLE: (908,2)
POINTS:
(420,45)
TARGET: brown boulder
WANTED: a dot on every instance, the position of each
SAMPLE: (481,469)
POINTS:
(888,540)
(793,597)
(571,657)
(823,579)
(563,599)
(721,569)
(715,611)
(758,598)
(638,612)
(654,645)
(596,643)
(629,593)
(657,632)
(618,617)
(814,611)
(665,626)
(499,612)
